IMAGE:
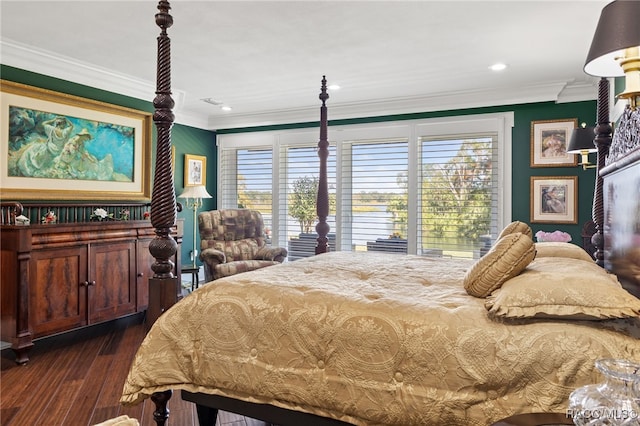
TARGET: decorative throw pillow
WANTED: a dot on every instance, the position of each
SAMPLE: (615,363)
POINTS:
(506,259)
(555,249)
(563,288)
(516,226)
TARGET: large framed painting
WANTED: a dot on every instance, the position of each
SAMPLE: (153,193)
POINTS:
(62,147)
(549,140)
(554,199)
(195,170)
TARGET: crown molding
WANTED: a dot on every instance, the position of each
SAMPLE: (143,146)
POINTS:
(490,97)
(578,91)
(43,62)
(40,61)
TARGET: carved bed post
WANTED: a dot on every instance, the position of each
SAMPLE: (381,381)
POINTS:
(164,284)
(603,142)
(161,413)
(322,202)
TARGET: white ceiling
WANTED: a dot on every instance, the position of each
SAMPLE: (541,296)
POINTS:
(266,58)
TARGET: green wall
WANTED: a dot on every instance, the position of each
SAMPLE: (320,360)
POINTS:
(521,172)
(524,114)
(187,140)
(190,140)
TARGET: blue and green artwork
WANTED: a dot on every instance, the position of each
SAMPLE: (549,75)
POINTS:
(47,145)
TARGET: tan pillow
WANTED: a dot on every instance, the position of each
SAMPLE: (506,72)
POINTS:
(506,259)
(563,288)
(557,249)
(516,226)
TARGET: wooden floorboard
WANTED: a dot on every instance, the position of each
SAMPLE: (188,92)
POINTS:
(76,379)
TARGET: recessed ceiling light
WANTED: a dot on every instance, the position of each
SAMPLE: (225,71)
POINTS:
(225,108)
(498,67)
(333,87)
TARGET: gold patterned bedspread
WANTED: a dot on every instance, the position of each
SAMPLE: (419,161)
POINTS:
(370,339)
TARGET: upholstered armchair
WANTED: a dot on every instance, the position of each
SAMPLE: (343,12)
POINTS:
(234,241)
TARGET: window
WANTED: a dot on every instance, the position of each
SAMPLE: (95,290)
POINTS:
(430,187)
(251,184)
(374,195)
(298,188)
(458,194)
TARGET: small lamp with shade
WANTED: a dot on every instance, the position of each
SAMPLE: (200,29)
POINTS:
(194,195)
(581,142)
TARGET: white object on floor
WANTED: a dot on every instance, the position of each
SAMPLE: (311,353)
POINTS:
(231,419)
(120,421)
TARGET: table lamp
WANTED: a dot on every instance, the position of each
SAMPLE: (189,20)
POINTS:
(614,52)
(194,195)
(581,142)
(615,49)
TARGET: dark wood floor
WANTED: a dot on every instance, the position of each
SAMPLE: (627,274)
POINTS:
(76,379)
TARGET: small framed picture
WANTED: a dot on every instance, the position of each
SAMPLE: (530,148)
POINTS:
(195,170)
(554,199)
(549,140)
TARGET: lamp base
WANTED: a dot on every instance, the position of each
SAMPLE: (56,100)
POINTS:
(584,162)
(631,67)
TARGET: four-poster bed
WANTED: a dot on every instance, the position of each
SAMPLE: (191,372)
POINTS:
(348,339)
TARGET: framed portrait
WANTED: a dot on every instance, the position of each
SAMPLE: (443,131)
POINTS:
(195,170)
(554,199)
(63,147)
(549,140)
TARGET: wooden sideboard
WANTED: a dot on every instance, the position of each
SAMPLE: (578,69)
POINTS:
(60,277)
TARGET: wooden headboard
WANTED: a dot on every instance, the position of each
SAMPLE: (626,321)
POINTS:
(621,195)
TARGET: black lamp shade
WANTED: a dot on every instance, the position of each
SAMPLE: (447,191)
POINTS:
(582,140)
(618,29)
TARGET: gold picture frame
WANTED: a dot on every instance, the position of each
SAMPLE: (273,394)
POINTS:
(195,170)
(63,147)
(173,158)
(554,199)
(549,140)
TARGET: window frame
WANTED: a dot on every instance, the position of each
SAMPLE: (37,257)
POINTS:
(413,130)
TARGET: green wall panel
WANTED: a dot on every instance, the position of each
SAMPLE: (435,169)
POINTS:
(190,140)
(522,172)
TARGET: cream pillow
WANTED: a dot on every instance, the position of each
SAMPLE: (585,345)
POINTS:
(123,420)
(557,249)
(563,288)
(516,226)
(506,259)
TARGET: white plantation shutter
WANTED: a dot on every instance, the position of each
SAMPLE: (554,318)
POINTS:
(299,167)
(248,180)
(374,178)
(435,187)
(458,194)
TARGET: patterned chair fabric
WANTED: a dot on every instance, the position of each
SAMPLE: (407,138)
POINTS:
(234,241)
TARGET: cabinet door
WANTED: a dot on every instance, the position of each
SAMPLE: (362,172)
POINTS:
(145,260)
(57,290)
(112,280)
